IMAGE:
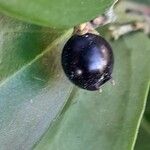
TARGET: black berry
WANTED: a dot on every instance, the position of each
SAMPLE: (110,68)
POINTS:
(88,61)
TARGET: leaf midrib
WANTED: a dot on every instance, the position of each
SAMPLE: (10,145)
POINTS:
(49,48)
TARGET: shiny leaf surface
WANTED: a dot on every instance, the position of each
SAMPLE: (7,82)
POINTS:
(55,13)
(33,89)
(110,120)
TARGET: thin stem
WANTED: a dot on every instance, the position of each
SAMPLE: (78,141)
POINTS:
(119,30)
(101,20)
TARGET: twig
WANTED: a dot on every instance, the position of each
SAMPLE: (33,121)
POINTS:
(133,9)
(119,30)
(101,20)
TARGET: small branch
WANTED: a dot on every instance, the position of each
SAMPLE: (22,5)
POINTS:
(133,9)
(89,27)
(119,30)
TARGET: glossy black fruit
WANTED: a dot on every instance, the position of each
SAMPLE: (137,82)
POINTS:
(88,61)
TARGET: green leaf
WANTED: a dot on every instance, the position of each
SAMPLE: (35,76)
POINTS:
(20,43)
(107,121)
(144,132)
(55,13)
(33,89)
(143,137)
(147,111)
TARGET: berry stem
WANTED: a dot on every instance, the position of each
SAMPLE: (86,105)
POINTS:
(89,27)
(118,30)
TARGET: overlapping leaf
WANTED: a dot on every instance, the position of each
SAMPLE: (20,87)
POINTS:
(109,120)
(33,89)
(55,13)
